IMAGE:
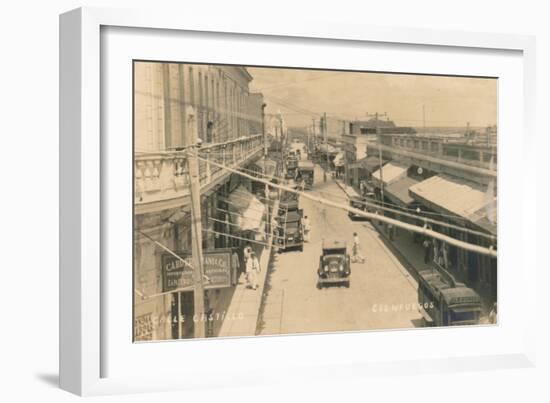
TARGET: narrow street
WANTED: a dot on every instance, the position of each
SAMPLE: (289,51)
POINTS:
(381,295)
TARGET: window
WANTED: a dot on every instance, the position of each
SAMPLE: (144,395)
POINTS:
(191,87)
(206,100)
(450,152)
(470,155)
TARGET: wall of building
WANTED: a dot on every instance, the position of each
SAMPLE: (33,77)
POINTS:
(255,102)
(165,95)
(219,96)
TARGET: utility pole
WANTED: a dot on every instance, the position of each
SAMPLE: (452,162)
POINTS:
(283,142)
(324,129)
(377,126)
(196,224)
(313,145)
(346,167)
(265,163)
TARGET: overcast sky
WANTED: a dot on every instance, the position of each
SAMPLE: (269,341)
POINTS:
(448,101)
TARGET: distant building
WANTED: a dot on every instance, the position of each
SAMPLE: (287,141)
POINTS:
(385,126)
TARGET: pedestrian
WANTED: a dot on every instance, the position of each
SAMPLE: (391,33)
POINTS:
(493,314)
(357,257)
(252,271)
(427,250)
(390,231)
(306,223)
(435,254)
(247,251)
(446,259)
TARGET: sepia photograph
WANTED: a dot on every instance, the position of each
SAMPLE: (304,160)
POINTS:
(274,201)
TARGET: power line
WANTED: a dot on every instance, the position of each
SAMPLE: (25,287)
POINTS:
(422,230)
(381,205)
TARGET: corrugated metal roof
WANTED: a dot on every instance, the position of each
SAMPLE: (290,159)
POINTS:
(400,190)
(391,172)
(457,196)
(369,163)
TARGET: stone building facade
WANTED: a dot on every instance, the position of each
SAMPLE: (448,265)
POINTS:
(163,93)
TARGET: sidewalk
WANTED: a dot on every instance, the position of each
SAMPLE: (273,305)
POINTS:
(348,190)
(410,254)
(241,316)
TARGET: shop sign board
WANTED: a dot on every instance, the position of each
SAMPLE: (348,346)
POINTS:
(178,274)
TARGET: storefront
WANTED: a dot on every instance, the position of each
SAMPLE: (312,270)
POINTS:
(219,267)
(362,170)
(466,205)
(230,214)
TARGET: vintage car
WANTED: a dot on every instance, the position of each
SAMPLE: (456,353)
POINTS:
(361,203)
(289,200)
(442,301)
(292,162)
(290,234)
(334,264)
(306,173)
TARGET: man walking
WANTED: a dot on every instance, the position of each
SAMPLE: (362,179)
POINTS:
(306,223)
(252,271)
(357,257)
(247,251)
(427,250)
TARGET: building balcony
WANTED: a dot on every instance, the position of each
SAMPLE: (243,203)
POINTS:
(475,170)
(161,180)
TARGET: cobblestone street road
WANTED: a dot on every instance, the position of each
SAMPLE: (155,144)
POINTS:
(381,295)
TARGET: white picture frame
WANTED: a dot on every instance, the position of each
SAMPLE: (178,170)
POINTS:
(83,307)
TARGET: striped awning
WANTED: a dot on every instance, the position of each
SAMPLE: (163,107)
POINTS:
(460,197)
(246,210)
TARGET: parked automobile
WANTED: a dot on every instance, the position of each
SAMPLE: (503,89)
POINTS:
(334,264)
(443,301)
(362,203)
(290,231)
(306,173)
(289,201)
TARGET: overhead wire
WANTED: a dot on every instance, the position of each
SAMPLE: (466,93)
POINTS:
(382,205)
(422,230)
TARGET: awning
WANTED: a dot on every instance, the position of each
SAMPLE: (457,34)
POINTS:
(339,160)
(460,197)
(327,148)
(371,163)
(391,172)
(246,210)
(270,166)
(398,191)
